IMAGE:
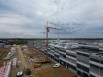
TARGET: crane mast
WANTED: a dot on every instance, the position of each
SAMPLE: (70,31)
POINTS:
(47,31)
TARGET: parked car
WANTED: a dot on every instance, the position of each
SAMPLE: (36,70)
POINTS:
(56,65)
(19,74)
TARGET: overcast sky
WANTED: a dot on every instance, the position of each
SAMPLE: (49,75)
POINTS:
(27,18)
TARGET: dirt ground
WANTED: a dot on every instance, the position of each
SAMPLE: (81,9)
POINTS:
(46,69)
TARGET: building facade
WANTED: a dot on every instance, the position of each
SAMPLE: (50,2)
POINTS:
(85,60)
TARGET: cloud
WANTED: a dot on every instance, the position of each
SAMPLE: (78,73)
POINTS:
(14,19)
(77,18)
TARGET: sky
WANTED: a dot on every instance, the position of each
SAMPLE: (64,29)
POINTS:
(74,18)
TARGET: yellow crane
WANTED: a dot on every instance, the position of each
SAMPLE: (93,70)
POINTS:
(45,59)
(47,31)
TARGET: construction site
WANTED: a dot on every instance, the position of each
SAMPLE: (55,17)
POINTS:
(27,62)
(51,58)
(51,38)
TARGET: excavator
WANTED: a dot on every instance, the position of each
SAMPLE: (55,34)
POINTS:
(37,64)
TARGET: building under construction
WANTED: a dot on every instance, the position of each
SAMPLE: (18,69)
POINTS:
(82,57)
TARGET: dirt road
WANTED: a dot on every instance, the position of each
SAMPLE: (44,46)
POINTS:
(46,70)
(21,57)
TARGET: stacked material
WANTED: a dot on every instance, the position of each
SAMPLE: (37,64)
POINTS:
(14,45)
(11,53)
(5,70)
(25,48)
(13,48)
(14,62)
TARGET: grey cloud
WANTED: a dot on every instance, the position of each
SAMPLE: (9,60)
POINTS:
(75,17)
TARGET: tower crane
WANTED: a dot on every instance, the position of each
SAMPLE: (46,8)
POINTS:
(47,31)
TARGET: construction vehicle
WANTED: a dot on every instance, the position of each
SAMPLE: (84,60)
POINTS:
(28,72)
(36,65)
